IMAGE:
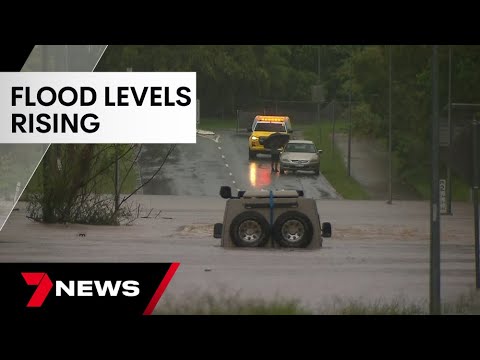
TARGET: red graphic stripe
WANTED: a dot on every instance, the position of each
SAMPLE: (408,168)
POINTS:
(161,288)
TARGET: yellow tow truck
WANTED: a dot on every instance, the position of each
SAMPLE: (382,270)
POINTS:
(263,126)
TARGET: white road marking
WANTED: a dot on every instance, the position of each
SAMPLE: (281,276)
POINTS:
(226,165)
(223,156)
(219,148)
(230,174)
(233,182)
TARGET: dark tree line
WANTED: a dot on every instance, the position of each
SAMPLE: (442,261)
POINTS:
(230,77)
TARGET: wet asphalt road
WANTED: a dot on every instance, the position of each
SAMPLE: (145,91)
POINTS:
(221,159)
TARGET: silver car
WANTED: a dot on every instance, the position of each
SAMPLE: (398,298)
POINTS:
(300,155)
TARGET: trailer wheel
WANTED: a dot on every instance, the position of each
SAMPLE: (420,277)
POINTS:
(250,229)
(293,229)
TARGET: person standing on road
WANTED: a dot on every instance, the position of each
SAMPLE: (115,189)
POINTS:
(275,154)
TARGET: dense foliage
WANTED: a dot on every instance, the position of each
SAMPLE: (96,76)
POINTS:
(231,77)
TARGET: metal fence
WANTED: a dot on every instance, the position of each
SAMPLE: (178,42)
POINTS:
(299,112)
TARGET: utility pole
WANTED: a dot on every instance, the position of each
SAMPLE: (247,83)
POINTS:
(389,124)
(117,171)
(319,56)
(117,180)
(349,155)
(435,195)
(319,87)
(47,211)
(476,184)
(450,132)
(333,127)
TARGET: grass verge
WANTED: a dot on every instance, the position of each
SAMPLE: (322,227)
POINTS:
(234,304)
(229,304)
(421,183)
(217,123)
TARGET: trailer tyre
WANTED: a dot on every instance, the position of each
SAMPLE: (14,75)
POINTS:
(293,229)
(250,229)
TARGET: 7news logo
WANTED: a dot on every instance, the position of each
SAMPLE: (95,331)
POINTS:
(83,289)
(44,284)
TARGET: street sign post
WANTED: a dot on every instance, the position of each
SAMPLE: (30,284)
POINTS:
(435,304)
(475,188)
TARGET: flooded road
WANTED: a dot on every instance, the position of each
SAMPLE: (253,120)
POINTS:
(377,251)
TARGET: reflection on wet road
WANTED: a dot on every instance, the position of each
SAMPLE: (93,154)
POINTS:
(260,175)
(200,169)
